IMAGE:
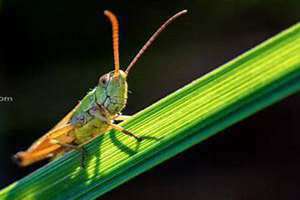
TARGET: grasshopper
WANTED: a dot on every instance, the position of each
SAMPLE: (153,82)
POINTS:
(96,113)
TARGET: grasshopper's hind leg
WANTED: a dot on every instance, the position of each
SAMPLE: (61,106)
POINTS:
(81,149)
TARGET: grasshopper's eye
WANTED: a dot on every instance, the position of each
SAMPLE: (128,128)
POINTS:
(103,80)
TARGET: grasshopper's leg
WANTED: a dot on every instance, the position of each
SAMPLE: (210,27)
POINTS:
(122,117)
(96,112)
(123,130)
(81,149)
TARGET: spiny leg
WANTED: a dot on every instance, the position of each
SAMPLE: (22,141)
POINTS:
(81,149)
(123,130)
(95,111)
(121,117)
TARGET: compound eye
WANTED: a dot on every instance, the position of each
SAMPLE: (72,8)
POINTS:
(103,80)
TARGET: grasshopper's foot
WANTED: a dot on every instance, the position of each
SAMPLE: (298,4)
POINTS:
(139,139)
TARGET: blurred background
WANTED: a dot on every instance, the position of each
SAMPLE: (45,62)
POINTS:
(52,53)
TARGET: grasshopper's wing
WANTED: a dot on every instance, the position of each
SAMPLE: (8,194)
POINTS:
(66,119)
(44,146)
(59,134)
(59,130)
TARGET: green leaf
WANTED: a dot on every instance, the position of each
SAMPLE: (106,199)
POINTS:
(252,81)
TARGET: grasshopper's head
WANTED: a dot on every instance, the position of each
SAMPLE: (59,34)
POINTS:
(111,91)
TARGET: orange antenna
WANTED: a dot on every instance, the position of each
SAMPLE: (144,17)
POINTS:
(152,38)
(115,36)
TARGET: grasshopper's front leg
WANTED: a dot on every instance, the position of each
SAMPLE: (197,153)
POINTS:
(123,130)
(99,111)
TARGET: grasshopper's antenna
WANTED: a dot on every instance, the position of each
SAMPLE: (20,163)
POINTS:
(115,36)
(153,37)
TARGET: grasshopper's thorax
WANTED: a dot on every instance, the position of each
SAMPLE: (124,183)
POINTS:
(111,92)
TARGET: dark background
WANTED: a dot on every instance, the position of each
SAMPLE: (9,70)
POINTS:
(52,53)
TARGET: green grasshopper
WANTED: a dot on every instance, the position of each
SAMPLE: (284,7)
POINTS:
(95,113)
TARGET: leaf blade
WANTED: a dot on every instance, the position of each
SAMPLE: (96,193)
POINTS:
(243,86)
